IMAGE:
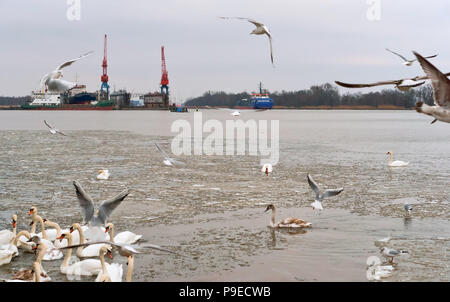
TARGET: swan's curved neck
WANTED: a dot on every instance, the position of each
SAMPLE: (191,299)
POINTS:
(102,261)
(80,232)
(41,221)
(41,254)
(21,233)
(54,225)
(272,218)
(105,276)
(390,158)
(14,229)
(33,225)
(130,268)
(37,272)
(111,232)
(69,252)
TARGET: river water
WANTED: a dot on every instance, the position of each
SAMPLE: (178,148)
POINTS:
(211,210)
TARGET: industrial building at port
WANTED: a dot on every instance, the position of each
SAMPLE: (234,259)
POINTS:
(77,98)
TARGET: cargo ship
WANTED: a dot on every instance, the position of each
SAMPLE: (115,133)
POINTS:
(261,100)
(54,101)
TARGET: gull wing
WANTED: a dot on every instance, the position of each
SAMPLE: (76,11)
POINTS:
(270,42)
(349,85)
(313,186)
(107,206)
(332,192)
(57,131)
(163,152)
(403,58)
(256,23)
(439,81)
(86,202)
(43,80)
(48,125)
(433,56)
(68,63)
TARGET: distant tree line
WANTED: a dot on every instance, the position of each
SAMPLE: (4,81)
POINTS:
(323,95)
(11,100)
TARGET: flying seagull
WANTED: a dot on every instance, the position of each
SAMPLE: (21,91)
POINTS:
(260,29)
(168,160)
(105,209)
(317,204)
(406,61)
(53,130)
(52,81)
(402,84)
(441,92)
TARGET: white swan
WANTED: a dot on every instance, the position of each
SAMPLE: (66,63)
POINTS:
(397,163)
(125,237)
(85,252)
(6,236)
(267,168)
(21,241)
(37,273)
(103,174)
(86,267)
(52,252)
(290,222)
(109,273)
(5,256)
(57,228)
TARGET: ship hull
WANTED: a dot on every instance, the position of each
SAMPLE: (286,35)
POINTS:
(108,106)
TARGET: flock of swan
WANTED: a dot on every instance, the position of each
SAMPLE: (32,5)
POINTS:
(93,239)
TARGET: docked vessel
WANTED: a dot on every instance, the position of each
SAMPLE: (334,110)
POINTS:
(261,100)
(53,101)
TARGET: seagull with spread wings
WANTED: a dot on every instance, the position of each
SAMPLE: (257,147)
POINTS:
(260,29)
(441,92)
(52,81)
(96,221)
(168,161)
(406,61)
(317,204)
(53,130)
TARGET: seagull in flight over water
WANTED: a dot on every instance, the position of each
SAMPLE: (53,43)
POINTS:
(441,92)
(52,81)
(53,130)
(168,161)
(406,61)
(260,29)
(317,204)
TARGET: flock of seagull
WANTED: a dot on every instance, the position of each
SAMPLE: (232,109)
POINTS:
(91,238)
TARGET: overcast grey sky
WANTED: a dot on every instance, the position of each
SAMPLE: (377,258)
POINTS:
(314,41)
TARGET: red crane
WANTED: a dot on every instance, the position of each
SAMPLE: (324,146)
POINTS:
(164,78)
(104,77)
